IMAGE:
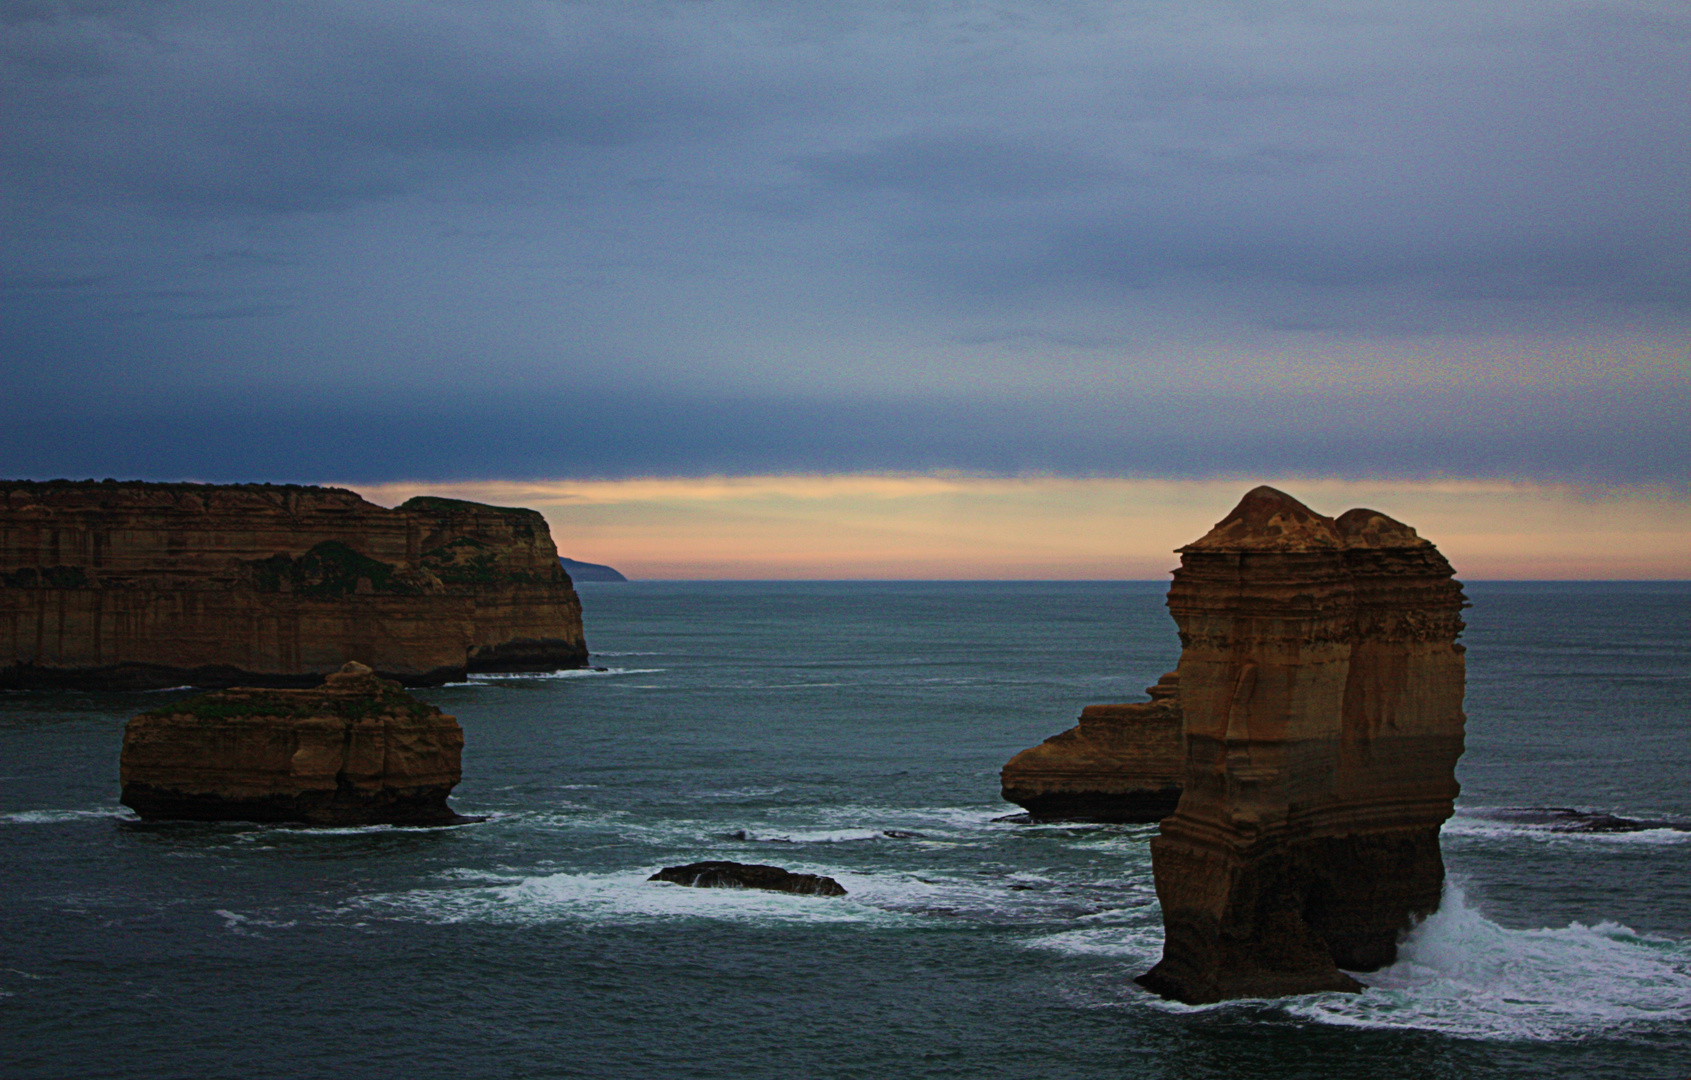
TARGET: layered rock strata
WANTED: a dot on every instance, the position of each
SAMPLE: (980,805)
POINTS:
(357,751)
(135,585)
(719,874)
(1321,686)
(1121,763)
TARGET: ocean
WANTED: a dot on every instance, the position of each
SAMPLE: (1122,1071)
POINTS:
(854,730)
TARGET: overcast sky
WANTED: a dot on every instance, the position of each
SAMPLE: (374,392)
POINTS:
(438,241)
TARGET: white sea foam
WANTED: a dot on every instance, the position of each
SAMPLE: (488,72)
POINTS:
(566,673)
(621,897)
(1475,828)
(1461,974)
(245,925)
(627,653)
(627,897)
(1138,947)
(812,836)
(59,817)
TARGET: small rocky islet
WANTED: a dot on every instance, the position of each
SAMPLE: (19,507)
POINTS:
(358,750)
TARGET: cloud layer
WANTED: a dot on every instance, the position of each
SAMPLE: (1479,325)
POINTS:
(443,240)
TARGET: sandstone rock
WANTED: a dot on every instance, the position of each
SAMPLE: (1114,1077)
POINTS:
(137,585)
(357,751)
(1121,763)
(733,875)
(1321,686)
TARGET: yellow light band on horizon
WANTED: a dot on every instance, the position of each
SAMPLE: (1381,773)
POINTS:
(936,526)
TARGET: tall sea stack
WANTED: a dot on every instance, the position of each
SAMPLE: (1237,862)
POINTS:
(1321,687)
(137,585)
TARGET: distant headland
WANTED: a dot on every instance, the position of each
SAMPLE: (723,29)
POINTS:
(590,571)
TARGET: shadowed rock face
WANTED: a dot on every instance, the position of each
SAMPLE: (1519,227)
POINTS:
(1121,763)
(357,751)
(733,875)
(132,585)
(1321,686)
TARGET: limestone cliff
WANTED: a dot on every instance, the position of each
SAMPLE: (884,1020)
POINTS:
(357,751)
(145,585)
(1121,763)
(1321,686)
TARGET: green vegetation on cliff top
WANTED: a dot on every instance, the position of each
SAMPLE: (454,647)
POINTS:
(328,569)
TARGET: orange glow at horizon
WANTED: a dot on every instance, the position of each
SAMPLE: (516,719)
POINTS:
(934,526)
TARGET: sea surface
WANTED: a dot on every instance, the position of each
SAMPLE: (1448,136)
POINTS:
(855,730)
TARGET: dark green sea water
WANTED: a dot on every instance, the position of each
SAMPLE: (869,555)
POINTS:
(796,724)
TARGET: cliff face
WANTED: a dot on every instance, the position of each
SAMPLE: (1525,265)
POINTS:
(358,751)
(145,585)
(1120,763)
(1322,688)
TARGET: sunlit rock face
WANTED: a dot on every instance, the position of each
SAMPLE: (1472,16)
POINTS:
(1321,687)
(147,585)
(357,751)
(1121,763)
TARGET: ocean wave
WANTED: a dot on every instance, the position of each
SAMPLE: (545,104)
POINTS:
(249,925)
(1562,824)
(815,836)
(59,817)
(1462,974)
(1138,947)
(621,897)
(566,673)
(891,898)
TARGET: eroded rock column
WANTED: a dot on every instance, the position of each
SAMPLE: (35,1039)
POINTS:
(1321,688)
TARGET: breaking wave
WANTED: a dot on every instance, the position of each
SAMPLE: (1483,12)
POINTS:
(1462,974)
(566,673)
(1562,824)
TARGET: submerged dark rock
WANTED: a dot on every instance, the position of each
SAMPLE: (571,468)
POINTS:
(733,875)
(1565,819)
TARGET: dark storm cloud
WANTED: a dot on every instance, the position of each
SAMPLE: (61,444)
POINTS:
(300,107)
(1078,237)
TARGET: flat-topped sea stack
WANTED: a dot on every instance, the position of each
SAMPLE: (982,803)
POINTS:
(356,751)
(139,585)
(1321,686)
(1121,763)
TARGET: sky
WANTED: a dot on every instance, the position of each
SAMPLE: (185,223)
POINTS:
(698,273)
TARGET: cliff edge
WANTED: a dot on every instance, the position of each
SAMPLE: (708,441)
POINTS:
(140,585)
